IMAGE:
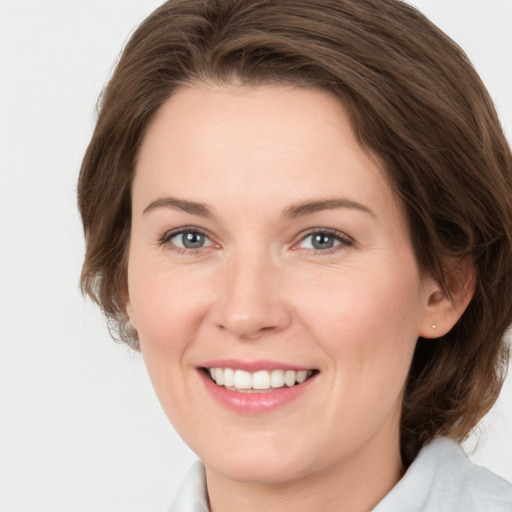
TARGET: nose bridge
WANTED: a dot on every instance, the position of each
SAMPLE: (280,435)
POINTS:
(252,302)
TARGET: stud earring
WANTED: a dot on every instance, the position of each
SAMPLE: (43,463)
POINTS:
(434,326)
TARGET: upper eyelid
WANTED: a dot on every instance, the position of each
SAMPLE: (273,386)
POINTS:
(185,229)
(168,235)
(344,241)
(328,231)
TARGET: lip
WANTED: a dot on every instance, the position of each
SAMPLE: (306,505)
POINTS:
(253,403)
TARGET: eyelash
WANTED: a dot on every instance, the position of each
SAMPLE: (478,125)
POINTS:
(343,239)
(166,237)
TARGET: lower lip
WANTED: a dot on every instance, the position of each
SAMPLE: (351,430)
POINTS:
(254,403)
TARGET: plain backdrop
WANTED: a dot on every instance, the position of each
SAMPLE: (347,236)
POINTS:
(80,427)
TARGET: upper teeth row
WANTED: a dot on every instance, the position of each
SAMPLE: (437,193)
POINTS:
(262,379)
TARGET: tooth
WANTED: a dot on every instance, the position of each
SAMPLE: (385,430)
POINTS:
(261,380)
(242,380)
(302,375)
(277,378)
(289,378)
(229,377)
(219,376)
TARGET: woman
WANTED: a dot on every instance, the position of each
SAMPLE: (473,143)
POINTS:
(301,213)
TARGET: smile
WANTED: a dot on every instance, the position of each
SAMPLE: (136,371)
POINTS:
(262,380)
(247,388)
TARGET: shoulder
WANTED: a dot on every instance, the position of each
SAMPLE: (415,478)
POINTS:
(443,479)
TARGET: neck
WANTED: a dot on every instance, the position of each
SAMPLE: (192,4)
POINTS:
(356,484)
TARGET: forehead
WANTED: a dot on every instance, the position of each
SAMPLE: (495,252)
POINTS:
(270,141)
(239,116)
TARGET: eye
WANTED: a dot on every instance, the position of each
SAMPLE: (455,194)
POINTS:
(187,239)
(324,241)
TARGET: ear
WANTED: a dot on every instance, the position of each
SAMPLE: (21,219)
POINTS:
(443,310)
(128,309)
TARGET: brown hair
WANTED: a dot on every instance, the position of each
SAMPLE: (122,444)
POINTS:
(414,100)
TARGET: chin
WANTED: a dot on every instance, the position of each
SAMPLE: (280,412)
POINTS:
(259,471)
(263,466)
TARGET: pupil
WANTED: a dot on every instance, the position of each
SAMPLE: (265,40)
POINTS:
(193,240)
(323,241)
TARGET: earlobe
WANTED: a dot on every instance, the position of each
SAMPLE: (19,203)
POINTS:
(445,307)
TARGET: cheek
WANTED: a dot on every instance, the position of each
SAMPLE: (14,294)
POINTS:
(167,308)
(166,303)
(368,325)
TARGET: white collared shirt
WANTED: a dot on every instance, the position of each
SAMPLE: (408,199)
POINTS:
(441,479)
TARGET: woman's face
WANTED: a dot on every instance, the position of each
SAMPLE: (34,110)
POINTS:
(266,244)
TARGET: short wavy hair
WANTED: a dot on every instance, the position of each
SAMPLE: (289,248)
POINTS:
(413,99)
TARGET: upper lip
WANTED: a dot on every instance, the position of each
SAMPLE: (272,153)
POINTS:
(252,366)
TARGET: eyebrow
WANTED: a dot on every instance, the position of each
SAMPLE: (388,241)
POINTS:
(310,207)
(179,204)
(299,210)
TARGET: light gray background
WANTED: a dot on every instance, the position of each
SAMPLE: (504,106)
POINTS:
(80,427)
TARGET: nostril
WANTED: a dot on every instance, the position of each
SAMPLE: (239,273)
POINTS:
(248,328)
(250,311)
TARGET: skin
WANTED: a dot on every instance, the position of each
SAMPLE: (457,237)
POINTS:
(258,290)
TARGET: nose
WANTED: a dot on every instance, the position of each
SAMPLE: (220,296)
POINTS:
(253,302)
